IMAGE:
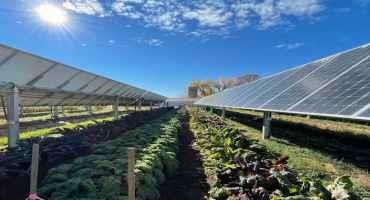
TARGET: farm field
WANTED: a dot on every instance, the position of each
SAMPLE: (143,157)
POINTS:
(37,118)
(60,147)
(48,131)
(184,154)
(308,163)
(101,173)
(184,100)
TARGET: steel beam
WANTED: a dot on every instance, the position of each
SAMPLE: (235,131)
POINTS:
(115,109)
(266,128)
(54,112)
(13,54)
(41,75)
(13,117)
(89,109)
(223,113)
(139,106)
(4,107)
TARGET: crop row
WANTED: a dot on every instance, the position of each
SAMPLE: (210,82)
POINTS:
(103,174)
(241,169)
(60,147)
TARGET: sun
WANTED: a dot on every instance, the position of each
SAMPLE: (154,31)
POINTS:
(52,14)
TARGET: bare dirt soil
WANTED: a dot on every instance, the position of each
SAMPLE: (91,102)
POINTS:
(190,182)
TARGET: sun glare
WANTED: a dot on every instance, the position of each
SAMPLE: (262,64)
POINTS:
(52,14)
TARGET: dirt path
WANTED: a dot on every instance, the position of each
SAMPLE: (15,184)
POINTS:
(190,181)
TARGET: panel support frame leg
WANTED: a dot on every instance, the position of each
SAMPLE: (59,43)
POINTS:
(223,112)
(115,109)
(13,117)
(89,109)
(139,106)
(54,112)
(127,107)
(266,128)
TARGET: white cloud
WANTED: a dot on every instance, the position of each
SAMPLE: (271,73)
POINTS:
(154,42)
(203,17)
(88,7)
(209,16)
(111,42)
(151,42)
(299,7)
(290,46)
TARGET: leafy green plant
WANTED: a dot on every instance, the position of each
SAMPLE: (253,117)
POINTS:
(103,174)
(244,169)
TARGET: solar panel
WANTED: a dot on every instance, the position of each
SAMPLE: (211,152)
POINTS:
(336,86)
(45,82)
(337,96)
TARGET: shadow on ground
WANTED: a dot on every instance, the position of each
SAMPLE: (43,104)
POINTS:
(190,181)
(348,147)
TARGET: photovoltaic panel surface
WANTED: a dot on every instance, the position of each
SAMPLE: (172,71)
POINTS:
(336,86)
(46,82)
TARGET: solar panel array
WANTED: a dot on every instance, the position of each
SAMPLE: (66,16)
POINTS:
(45,82)
(336,86)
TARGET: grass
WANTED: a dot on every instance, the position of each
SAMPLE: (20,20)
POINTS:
(47,131)
(314,161)
(336,126)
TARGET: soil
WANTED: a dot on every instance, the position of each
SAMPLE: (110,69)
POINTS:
(190,182)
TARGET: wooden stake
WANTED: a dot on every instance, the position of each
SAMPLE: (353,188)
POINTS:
(131,173)
(34,168)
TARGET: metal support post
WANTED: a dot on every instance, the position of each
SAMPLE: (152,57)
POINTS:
(54,112)
(13,117)
(223,113)
(266,129)
(151,106)
(115,108)
(89,109)
(210,109)
(140,105)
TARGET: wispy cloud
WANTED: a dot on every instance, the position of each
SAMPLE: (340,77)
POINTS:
(202,17)
(151,42)
(111,42)
(88,7)
(154,42)
(290,46)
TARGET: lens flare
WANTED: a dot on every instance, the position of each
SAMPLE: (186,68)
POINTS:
(52,14)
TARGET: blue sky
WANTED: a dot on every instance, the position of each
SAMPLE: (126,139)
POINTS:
(162,45)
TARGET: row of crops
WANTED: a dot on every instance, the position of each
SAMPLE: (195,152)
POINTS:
(241,169)
(90,163)
(103,174)
(62,146)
